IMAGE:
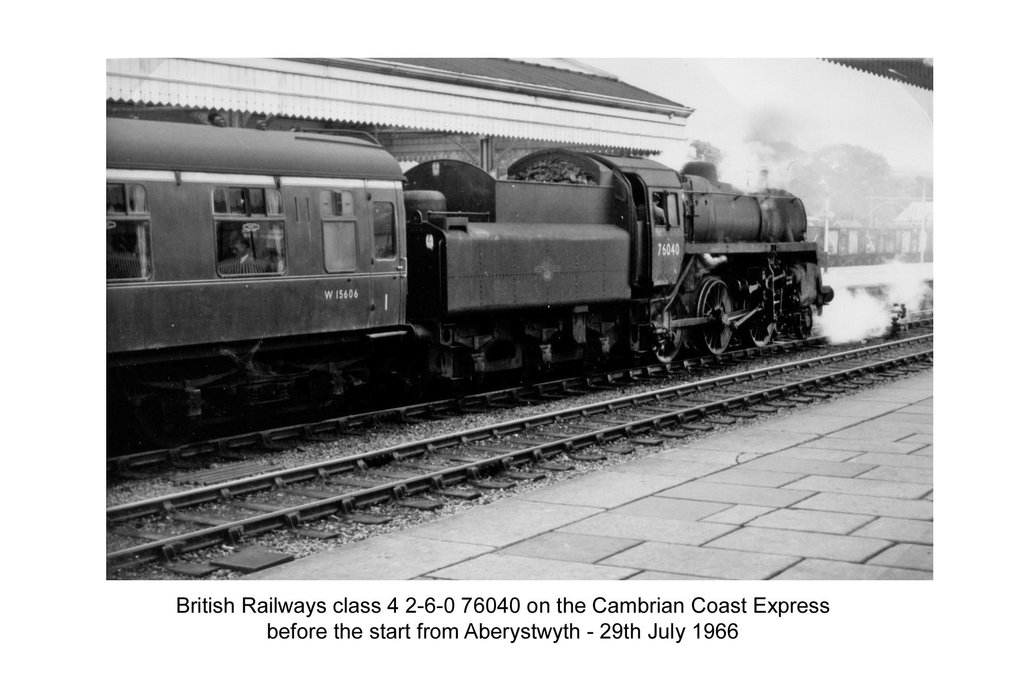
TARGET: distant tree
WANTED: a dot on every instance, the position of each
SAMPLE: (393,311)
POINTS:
(705,152)
(845,178)
(911,187)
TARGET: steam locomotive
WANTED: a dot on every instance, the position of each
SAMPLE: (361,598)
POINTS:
(253,269)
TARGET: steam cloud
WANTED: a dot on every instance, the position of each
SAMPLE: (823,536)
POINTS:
(854,315)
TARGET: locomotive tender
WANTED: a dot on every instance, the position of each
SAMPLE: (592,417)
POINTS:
(250,269)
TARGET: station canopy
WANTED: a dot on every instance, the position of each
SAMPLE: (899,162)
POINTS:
(417,107)
(911,71)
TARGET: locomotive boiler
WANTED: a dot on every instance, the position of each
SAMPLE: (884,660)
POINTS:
(251,270)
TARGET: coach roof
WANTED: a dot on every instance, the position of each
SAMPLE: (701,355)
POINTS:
(133,144)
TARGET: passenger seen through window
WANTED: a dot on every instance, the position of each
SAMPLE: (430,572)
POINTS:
(127,232)
(250,248)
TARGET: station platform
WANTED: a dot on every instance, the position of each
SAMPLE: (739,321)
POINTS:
(892,274)
(838,490)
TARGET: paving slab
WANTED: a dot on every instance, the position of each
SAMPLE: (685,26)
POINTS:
(808,466)
(913,415)
(891,473)
(862,445)
(899,530)
(851,407)
(754,439)
(751,477)
(869,505)
(880,430)
(697,454)
(814,422)
(657,575)
(894,423)
(802,544)
(674,466)
(701,561)
(567,546)
(905,393)
(926,451)
(649,529)
(502,523)
(814,453)
(503,567)
(736,494)
(738,515)
(812,521)
(387,557)
(672,509)
(859,486)
(919,408)
(914,556)
(603,489)
(919,438)
(815,569)
(908,460)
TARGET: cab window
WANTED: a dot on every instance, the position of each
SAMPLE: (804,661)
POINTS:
(658,208)
(672,208)
(128,255)
(384,240)
(337,213)
(249,228)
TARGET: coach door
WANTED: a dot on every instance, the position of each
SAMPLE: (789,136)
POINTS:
(387,257)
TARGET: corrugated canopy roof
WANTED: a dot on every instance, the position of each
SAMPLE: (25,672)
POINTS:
(913,71)
(572,80)
(484,97)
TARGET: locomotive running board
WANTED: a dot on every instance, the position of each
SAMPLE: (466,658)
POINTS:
(750,247)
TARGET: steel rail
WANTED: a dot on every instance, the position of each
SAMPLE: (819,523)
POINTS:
(292,516)
(335,466)
(482,401)
(490,400)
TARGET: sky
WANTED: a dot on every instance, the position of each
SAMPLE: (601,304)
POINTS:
(808,102)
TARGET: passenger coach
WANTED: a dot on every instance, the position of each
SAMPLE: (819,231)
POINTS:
(218,237)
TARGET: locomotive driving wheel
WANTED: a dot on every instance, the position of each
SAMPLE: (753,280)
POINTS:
(760,332)
(670,340)
(715,304)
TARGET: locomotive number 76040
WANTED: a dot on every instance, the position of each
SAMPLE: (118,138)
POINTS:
(668,249)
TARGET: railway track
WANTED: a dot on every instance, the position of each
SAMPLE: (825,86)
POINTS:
(421,474)
(126,465)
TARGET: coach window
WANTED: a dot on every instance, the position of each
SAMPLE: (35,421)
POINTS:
(128,255)
(384,231)
(337,212)
(249,226)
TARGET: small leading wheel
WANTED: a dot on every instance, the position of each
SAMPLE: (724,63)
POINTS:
(715,303)
(760,332)
(805,323)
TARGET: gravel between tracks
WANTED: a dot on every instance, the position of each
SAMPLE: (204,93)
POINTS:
(392,434)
